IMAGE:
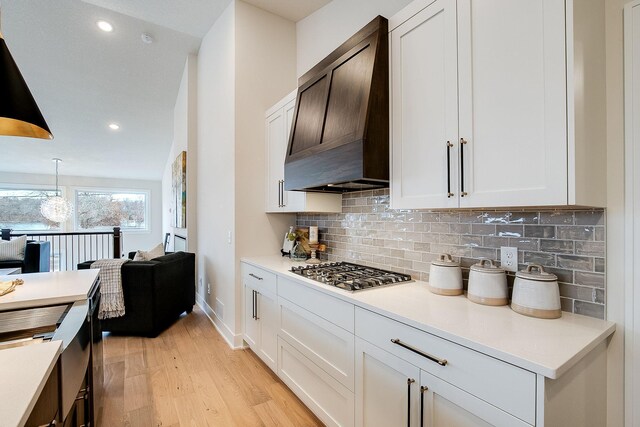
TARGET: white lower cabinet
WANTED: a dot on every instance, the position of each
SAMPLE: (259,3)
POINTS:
(316,350)
(393,392)
(354,366)
(502,385)
(386,388)
(261,314)
(325,344)
(261,325)
(445,384)
(329,400)
(445,405)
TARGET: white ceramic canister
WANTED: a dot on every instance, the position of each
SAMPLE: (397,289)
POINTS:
(536,293)
(445,276)
(487,284)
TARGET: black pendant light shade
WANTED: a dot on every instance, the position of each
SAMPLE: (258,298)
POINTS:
(19,113)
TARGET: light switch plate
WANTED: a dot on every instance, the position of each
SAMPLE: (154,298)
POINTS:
(509,258)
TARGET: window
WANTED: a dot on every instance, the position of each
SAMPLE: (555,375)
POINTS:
(20,209)
(105,209)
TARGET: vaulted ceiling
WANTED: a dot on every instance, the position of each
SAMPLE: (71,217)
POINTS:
(83,78)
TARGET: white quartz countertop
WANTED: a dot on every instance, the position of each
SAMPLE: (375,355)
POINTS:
(40,289)
(548,347)
(23,373)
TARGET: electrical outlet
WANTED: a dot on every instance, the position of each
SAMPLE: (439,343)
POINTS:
(509,258)
(208,288)
(229,237)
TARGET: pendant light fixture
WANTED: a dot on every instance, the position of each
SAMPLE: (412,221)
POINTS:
(19,113)
(56,208)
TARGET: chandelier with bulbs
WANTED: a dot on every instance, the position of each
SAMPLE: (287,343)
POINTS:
(56,208)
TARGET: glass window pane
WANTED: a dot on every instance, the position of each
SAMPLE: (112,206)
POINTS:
(107,209)
(20,209)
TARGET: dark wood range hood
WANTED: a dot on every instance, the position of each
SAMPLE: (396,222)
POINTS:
(339,139)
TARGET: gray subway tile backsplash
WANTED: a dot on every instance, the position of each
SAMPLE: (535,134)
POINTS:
(557,217)
(557,246)
(571,232)
(569,243)
(540,231)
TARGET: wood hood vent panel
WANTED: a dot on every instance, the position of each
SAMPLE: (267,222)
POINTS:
(339,140)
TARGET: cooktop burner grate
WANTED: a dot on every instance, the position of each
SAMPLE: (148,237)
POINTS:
(351,277)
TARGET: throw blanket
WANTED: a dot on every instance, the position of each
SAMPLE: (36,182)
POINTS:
(9,286)
(112,302)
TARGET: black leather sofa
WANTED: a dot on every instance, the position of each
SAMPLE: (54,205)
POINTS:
(156,293)
(36,258)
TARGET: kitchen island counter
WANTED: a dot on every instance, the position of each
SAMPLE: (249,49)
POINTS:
(546,347)
(23,375)
(42,289)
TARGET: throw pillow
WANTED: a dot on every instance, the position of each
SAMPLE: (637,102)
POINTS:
(156,252)
(13,250)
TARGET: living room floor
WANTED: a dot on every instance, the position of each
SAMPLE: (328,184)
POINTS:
(188,375)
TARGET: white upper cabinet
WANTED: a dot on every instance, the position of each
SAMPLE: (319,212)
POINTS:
(277,127)
(489,107)
(275,134)
(512,83)
(424,110)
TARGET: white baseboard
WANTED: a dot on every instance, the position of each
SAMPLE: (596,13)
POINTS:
(234,340)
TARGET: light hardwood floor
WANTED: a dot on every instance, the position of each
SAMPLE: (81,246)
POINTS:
(188,376)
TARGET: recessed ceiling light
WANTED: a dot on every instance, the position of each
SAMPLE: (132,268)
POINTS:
(114,126)
(147,38)
(105,26)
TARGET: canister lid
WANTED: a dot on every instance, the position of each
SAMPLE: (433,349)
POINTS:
(539,275)
(445,260)
(487,266)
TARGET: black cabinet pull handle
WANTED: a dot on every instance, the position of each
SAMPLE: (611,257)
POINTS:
(422,390)
(279,193)
(441,362)
(257,293)
(253,304)
(255,277)
(409,382)
(282,191)
(449,193)
(462,144)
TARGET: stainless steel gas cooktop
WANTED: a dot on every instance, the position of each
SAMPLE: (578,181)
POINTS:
(351,277)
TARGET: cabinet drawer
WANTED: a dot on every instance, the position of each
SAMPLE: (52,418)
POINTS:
(329,308)
(506,386)
(259,279)
(332,402)
(325,344)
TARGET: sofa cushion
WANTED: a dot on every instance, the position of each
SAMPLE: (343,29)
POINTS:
(170,257)
(155,252)
(13,250)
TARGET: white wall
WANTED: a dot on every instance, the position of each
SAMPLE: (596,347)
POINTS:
(265,73)
(184,139)
(215,198)
(132,240)
(327,28)
(615,212)
(245,65)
